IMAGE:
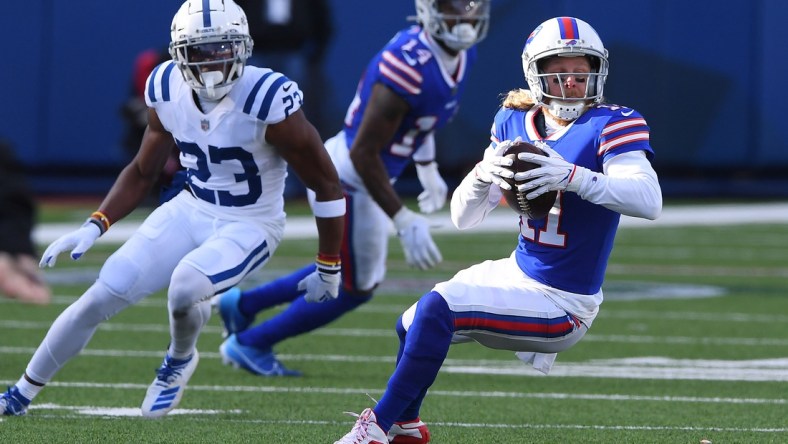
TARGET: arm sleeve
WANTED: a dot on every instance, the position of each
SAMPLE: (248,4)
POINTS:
(426,152)
(473,199)
(628,186)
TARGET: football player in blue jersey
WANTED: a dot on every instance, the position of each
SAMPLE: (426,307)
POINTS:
(237,127)
(409,89)
(543,298)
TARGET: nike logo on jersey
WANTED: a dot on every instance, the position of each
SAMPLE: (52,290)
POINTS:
(627,113)
(287,87)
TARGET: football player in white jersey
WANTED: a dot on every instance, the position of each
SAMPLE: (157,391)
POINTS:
(543,298)
(410,88)
(236,127)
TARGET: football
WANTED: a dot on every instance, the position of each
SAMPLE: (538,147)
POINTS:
(532,209)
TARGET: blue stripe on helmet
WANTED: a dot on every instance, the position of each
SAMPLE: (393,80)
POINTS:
(206,13)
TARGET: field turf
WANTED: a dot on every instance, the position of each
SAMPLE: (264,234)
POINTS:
(691,343)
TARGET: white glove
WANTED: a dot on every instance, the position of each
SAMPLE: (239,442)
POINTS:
(80,240)
(554,174)
(414,234)
(320,286)
(492,169)
(435,189)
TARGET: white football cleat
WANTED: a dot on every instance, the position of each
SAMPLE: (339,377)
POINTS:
(365,431)
(409,432)
(165,393)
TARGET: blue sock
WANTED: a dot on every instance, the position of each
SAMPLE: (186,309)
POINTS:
(427,343)
(300,317)
(279,291)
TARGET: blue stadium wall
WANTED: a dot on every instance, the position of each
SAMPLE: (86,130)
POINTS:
(709,79)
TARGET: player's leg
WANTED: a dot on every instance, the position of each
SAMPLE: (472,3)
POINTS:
(228,251)
(496,304)
(140,267)
(429,325)
(189,310)
(238,309)
(366,238)
(533,323)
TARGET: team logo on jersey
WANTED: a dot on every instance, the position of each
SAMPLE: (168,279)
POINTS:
(205,124)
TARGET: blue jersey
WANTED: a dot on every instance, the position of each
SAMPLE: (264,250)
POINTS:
(569,248)
(409,67)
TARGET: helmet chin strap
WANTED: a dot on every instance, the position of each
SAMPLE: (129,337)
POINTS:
(465,36)
(567,110)
(210,79)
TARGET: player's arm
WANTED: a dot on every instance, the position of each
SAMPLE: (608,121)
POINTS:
(382,118)
(480,190)
(628,186)
(130,188)
(299,144)
(138,177)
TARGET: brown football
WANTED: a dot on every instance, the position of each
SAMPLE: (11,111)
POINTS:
(532,209)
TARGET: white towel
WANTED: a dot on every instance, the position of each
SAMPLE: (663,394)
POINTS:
(542,362)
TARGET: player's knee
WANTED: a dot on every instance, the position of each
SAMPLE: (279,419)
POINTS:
(120,275)
(354,297)
(188,287)
(98,304)
(433,309)
(400,328)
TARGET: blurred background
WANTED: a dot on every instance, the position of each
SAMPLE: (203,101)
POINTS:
(705,76)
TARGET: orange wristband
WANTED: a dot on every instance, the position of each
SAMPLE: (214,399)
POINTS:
(103,220)
(328,263)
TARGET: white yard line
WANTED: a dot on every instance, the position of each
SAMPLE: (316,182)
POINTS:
(441,393)
(655,367)
(500,220)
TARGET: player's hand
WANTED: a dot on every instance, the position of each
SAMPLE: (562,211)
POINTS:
(320,286)
(554,174)
(323,284)
(435,189)
(414,234)
(492,168)
(78,242)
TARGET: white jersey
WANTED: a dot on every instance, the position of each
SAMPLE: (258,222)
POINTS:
(230,166)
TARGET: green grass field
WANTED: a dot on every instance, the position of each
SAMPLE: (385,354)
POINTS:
(691,343)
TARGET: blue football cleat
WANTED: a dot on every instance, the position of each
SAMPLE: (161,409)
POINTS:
(226,304)
(12,403)
(254,360)
(165,393)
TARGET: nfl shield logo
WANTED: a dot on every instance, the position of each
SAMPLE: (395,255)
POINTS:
(205,124)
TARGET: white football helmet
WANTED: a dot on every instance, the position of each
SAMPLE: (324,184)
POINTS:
(210,43)
(459,24)
(565,37)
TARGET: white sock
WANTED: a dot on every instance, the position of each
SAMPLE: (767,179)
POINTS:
(27,389)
